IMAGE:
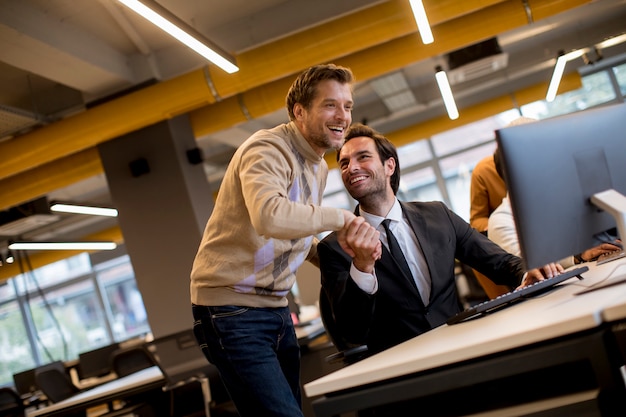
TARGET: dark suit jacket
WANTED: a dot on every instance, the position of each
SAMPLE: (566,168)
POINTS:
(396,313)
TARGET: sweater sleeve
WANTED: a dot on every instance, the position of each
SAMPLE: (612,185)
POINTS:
(280,195)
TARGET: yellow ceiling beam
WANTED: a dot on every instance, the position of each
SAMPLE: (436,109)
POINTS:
(474,113)
(323,43)
(372,62)
(41,180)
(42,148)
(104,122)
(331,40)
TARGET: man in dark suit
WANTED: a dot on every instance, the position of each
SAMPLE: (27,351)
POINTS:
(376,301)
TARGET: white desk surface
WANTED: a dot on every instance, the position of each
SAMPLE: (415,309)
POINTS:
(545,317)
(137,379)
(313,329)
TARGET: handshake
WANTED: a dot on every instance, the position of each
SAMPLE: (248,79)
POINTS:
(361,241)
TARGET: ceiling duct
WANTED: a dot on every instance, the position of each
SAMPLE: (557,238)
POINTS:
(13,120)
(474,61)
(26,217)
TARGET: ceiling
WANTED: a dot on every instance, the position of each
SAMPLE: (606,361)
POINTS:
(75,74)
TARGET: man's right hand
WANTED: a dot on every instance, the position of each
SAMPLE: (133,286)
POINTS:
(362,242)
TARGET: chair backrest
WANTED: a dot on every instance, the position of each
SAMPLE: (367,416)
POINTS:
(347,352)
(127,361)
(25,382)
(11,404)
(330,325)
(179,356)
(96,362)
(54,382)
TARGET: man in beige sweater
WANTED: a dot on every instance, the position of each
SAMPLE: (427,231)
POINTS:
(262,229)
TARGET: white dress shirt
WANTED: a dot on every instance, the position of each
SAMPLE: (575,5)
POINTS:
(410,247)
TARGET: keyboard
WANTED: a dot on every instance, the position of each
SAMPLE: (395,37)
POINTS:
(511,297)
(610,256)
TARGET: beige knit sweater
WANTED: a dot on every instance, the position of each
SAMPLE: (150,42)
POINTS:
(264,221)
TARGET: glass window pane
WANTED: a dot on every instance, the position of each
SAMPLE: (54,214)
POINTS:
(597,89)
(58,272)
(339,200)
(128,317)
(457,171)
(68,320)
(620,74)
(414,154)
(333,182)
(15,351)
(7,291)
(419,185)
(471,134)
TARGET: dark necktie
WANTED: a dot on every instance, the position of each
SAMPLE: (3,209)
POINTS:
(396,252)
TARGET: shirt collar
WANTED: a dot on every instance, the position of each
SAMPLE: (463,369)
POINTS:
(394,214)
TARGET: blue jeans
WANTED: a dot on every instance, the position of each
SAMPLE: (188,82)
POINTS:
(257,354)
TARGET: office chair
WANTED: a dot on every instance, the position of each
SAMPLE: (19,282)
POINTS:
(347,352)
(191,379)
(126,361)
(57,386)
(54,382)
(11,404)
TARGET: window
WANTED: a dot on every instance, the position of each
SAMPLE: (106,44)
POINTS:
(620,74)
(67,307)
(440,167)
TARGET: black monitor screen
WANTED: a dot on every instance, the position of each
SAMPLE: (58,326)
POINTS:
(552,168)
(25,382)
(97,362)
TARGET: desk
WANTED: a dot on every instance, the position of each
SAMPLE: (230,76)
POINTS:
(309,332)
(142,381)
(557,343)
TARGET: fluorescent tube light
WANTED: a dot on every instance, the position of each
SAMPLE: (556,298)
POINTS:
(446,93)
(559,68)
(422,21)
(168,22)
(616,40)
(94,211)
(62,246)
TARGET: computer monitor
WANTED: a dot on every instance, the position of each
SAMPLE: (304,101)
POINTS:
(566,179)
(96,362)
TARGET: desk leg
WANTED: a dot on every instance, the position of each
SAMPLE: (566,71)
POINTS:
(206,395)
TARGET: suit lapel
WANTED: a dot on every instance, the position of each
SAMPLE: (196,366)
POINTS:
(391,269)
(418,224)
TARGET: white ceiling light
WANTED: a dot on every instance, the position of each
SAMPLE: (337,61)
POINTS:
(564,58)
(165,20)
(446,93)
(62,245)
(422,21)
(77,209)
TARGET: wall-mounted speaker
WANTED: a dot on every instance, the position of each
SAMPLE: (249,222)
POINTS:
(195,156)
(139,167)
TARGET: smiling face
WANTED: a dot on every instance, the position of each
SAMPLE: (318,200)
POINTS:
(324,122)
(365,176)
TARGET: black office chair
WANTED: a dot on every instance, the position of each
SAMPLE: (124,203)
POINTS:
(126,361)
(194,383)
(11,404)
(347,352)
(54,382)
(57,386)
